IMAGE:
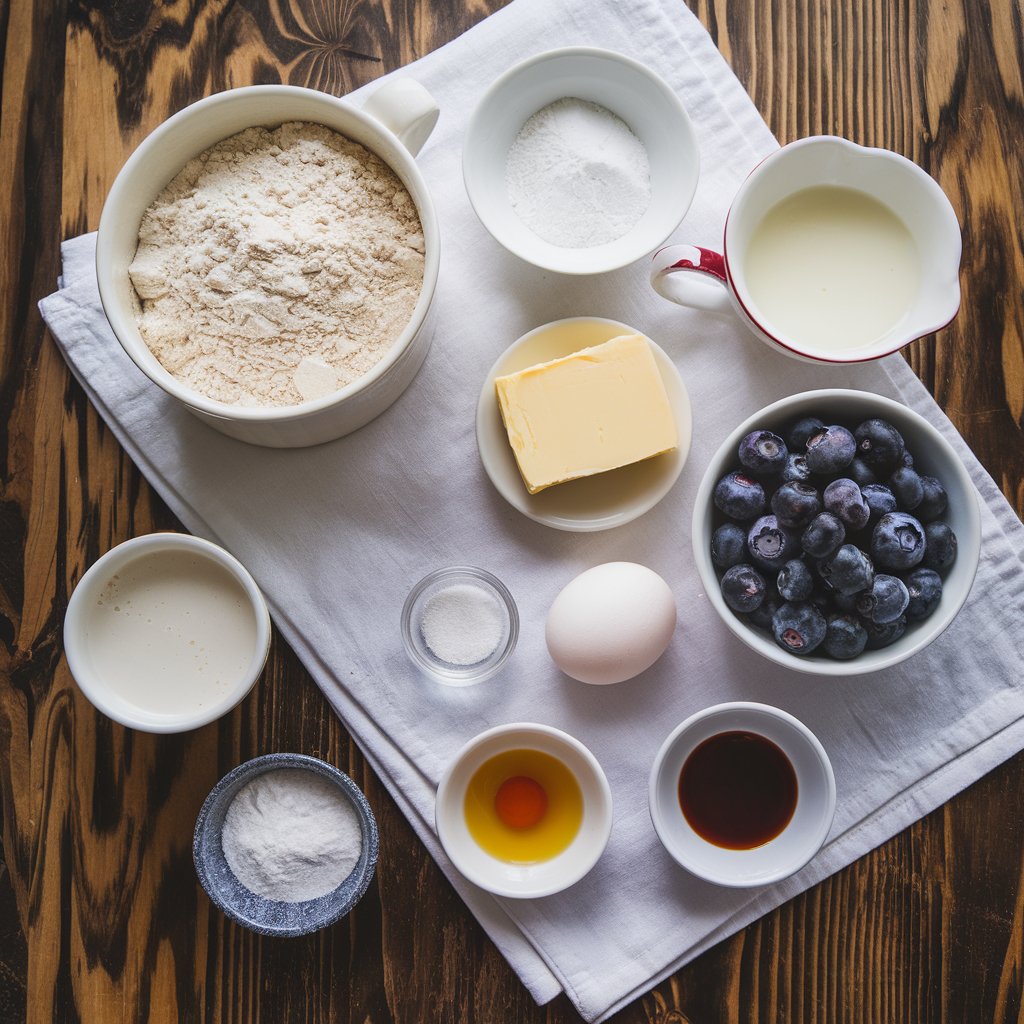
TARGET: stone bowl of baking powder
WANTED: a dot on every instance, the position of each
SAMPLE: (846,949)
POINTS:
(285,844)
(580,160)
(392,125)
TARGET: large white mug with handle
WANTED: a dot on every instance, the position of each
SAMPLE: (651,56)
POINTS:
(833,253)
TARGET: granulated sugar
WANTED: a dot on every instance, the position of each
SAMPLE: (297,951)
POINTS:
(577,176)
(278,266)
(462,624)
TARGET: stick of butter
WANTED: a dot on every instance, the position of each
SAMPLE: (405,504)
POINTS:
(586,413)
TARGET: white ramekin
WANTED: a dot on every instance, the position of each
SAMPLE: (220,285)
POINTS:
(80,638)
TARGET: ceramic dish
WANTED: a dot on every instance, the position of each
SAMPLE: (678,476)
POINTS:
(524,880)
(920,210)
(592,503)
(166,633)
(394,123)
(412,621)
(270,917)
(798,842)
(933,455)
(625,87)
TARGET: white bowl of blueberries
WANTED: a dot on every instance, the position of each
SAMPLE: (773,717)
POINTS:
(836,532)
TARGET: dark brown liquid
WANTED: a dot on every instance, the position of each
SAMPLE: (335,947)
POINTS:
(737,790)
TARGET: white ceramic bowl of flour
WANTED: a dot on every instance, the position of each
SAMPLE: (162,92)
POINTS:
(638,100)
(166,633)
(394,123)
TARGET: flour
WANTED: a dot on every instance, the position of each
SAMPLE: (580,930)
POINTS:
(577,176)
(277,266)
(290,835)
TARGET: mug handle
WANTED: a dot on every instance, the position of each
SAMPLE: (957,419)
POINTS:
(405,108)
(669,281)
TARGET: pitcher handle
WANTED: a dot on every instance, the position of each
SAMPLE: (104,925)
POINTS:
(407,109)
(669,281)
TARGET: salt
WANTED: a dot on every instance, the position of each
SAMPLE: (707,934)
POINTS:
(462,624)
(577,176)
(290,835)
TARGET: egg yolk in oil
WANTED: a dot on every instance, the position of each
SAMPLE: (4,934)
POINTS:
(523,806)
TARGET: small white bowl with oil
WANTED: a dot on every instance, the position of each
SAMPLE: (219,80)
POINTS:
(524,810)
(166,633)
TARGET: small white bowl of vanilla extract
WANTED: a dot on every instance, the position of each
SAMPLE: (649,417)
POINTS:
(742,794)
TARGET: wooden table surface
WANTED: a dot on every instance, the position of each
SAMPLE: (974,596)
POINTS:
(101,917)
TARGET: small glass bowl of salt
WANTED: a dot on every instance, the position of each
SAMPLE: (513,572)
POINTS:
(460,625)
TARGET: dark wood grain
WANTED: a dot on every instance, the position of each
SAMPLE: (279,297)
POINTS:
(101,919)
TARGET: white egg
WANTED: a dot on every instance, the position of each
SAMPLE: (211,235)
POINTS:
(611,622)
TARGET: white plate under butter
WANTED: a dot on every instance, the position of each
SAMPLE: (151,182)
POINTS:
(597,502)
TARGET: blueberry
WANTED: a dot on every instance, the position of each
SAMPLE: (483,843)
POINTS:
(728,545)
(798,627)
(845,637)
(763,452)
(897,542)
(885,601)
(880,500)
(830,450)
(848,571)
(796,504)
(880,445)
(939,547)
(795,581)
(743,588)
(907,486)
(881,634)
(823,535)
(762,615)
(861,473)
(934,500)
(739,496)
(726,548)
(844,500)
(801,432)
(770,545)
(796,468)
(925,589)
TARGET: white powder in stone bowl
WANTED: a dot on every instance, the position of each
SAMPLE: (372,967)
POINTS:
(277,266)
(290,835)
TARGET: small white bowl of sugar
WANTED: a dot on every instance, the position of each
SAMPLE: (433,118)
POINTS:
(580,160)
(460,625)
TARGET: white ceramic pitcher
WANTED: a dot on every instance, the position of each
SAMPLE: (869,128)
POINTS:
(899,185)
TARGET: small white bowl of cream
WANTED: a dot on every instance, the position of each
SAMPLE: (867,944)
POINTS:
(580,160)
(166,633)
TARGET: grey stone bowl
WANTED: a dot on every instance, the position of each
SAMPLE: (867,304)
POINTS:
(270,917)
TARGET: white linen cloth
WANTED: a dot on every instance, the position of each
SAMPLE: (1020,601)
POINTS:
(337,535)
